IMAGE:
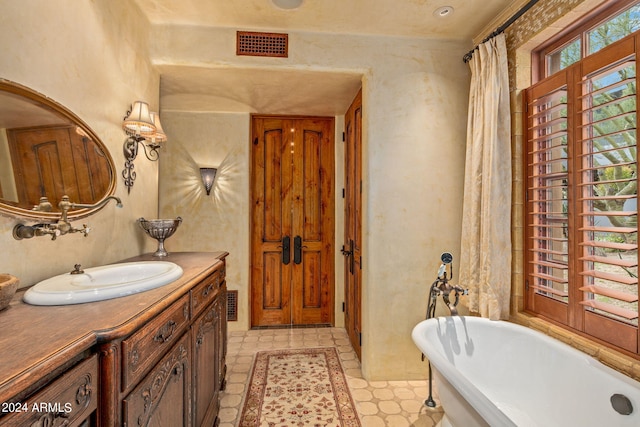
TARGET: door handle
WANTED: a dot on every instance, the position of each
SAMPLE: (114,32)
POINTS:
(352,260)
(286,249)
(297,249)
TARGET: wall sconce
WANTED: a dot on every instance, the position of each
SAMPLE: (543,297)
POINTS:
(208,176)
(143,129)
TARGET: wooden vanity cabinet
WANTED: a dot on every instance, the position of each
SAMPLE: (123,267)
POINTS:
(70,400)
(172,367)
(163,397)
(156,358)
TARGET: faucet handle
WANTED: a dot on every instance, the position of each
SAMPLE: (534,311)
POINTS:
(84,230)
(49,230)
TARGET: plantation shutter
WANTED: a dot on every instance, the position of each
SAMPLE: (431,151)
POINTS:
(582,196)
(608,219)
(547,197)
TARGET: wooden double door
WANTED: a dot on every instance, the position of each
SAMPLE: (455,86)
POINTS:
(292,220)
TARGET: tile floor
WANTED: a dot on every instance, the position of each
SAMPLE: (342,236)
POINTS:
(379,403)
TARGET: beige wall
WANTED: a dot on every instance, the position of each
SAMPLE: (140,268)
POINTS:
(90,56)
(219,221)
(415,97)
(94,59)
(415,101)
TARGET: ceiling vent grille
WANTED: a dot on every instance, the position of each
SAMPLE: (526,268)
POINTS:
(274,45)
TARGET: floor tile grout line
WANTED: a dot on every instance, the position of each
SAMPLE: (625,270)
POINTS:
(381,403)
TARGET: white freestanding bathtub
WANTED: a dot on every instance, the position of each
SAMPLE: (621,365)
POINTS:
(499,374)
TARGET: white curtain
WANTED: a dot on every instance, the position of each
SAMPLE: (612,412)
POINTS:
(485,264)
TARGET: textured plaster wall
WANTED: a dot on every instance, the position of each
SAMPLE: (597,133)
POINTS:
(544,20)
(415,102)
(219,221)
(90,56)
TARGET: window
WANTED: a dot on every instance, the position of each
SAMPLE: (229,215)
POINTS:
(599,29)
(582,193)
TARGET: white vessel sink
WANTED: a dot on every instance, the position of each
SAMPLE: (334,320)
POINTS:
(101,283)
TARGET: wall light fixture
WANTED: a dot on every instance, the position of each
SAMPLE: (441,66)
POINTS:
(143,128)
(208,177)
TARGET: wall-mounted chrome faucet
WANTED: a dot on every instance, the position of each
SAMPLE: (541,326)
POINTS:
(62,226)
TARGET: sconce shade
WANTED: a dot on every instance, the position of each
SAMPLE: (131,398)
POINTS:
(208,176)
(138,121)
(159,136)
(144,130)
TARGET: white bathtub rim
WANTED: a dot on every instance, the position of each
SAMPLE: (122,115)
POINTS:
(486,408)
(477,399)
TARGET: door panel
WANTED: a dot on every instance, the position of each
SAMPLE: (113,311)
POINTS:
(272,159)
(292,200)
(353,217)
(66,163)
(270,282)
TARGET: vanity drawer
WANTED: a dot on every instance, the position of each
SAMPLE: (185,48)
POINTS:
(69,400)
(142,349)
(204,292)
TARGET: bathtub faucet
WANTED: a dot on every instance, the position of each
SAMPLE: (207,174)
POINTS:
(441,286)
(445,289)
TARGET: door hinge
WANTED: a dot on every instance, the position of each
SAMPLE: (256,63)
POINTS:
(343,193)
(344,138)
(526,284)
(360,262)
(343,306)
(360,187)
(360,338)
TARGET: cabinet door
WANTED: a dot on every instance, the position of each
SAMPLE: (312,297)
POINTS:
(69,401)
(163,397)
(206,365)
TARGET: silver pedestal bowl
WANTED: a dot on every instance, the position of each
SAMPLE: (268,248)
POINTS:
(160,229)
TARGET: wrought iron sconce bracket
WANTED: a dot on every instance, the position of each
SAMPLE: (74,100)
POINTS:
(130,150)
(143,129)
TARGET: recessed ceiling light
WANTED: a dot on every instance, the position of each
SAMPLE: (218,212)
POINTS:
(287,4)
(442,12)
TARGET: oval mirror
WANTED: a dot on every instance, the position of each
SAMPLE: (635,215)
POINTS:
(48,151)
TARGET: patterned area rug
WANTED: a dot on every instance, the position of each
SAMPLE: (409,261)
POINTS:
(298,387)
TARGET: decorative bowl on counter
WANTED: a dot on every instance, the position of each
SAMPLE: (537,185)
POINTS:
(8,287)
(160,229)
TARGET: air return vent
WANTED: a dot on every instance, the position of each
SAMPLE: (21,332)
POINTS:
(232,306)
(262,44)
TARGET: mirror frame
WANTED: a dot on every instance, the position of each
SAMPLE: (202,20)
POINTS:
(14,211)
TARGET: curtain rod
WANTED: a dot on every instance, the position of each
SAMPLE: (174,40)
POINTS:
(467,57)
